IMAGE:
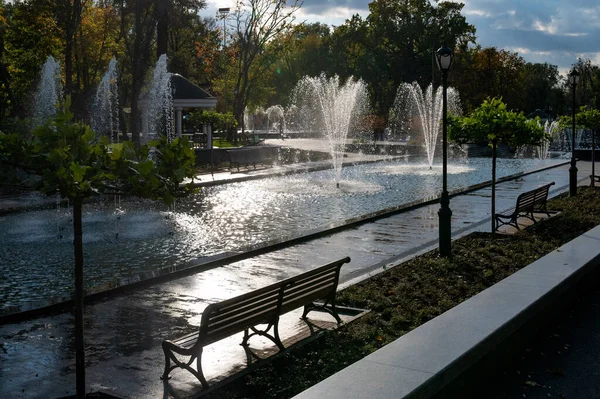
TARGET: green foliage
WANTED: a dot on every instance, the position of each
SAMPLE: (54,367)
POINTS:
(66,157)
(588,118)
(219,121)
(493,123)
(31,36)
(585,118)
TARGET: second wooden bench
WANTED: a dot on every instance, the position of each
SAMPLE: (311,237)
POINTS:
(527,204)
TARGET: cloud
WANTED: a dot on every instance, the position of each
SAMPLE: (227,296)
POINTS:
(553,31)
(557,32)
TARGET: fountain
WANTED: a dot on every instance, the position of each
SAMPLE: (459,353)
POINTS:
(337,109)
(413,106)
(49,93)
(157,108)
(129,240)
(275,113)
(105,112)
(255,120)
(550,134)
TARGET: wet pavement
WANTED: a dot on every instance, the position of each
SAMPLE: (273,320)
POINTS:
(123,334)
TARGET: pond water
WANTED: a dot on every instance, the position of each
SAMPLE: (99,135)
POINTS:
(137,236)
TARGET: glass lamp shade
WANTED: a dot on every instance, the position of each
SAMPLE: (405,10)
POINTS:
(574,78)
(444,57)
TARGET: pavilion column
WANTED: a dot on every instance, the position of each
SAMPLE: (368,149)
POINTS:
(208,128)
(179,118)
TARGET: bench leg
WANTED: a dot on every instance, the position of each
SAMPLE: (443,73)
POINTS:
(277,339)
(265,333)
(329,309)
(168,367)
(198,373)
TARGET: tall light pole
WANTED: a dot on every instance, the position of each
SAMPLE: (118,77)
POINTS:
(573,81)
(224,11)
(444,57)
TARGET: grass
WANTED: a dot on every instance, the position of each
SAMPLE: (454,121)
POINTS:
(219,142)
(410,294)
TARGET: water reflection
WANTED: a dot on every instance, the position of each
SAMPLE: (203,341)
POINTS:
(143,235)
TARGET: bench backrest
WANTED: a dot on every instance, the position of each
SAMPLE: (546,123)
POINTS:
(252,155)
(222,319)
(528,200)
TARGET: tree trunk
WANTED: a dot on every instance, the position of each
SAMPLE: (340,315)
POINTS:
(162,27)
(137,73)
(68,65)
(494,145)
(78,299)
(70,32)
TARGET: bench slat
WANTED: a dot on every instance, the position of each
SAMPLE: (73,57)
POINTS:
(217,313)
(240,324)
(232,317)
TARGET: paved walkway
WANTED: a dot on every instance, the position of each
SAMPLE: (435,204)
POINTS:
(123,334)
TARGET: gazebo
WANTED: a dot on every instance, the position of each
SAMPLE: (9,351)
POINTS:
(187,95)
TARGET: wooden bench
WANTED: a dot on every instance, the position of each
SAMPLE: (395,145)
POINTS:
(245,312)
(251,156)
(527,204)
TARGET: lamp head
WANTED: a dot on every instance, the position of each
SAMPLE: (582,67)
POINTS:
(574,77)
(444,57)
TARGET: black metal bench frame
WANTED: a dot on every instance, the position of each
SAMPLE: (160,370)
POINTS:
(527,204)
(245,312)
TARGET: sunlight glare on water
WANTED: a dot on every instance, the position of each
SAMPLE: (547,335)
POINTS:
(142,236)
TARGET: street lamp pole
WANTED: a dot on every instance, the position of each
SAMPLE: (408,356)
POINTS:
(573,81)
(444,57)
(224,11)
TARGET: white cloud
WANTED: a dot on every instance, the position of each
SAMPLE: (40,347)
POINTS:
(550,28)
(479,13)
(335,16)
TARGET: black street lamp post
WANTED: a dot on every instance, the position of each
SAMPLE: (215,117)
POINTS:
(573,81)
(444,57)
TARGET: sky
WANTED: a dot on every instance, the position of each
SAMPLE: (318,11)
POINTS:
(554,31)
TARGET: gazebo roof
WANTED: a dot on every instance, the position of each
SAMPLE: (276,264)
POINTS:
(188,95)
(184,89)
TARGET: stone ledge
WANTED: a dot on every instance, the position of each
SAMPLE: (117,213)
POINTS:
(423,362)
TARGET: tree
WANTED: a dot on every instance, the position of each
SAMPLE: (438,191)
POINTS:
(395,44)
(540,84)
(590,119)
(480,73)
(68,16)
(255,26)
(303,51)
(31,36)
(65,157)
(493,123)
(186,28)
(218,120)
